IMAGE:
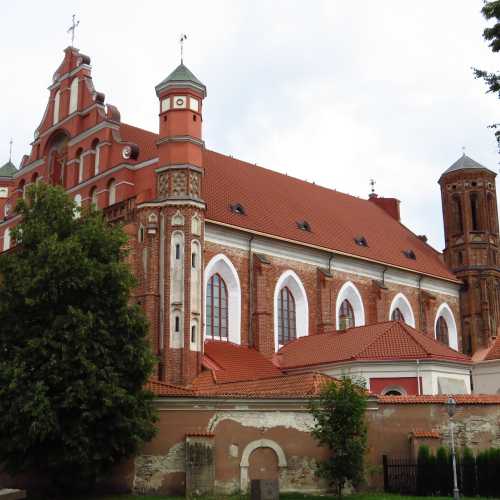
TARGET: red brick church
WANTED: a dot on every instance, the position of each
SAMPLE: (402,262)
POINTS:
(260,286)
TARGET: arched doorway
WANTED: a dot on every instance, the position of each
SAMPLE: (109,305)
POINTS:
(263,464)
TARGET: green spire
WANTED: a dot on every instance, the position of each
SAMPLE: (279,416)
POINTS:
(181,77)
(8,170)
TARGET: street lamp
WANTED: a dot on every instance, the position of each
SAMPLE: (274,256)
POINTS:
(451,408)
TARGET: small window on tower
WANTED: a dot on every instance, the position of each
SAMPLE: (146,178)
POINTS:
(177,251)
(193,260)
(304,225)
(238,208)
(177,324)
(193,334)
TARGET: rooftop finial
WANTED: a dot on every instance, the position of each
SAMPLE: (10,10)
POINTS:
(181,41)
(372,186)
(463,150)
(72,28)
(10,149)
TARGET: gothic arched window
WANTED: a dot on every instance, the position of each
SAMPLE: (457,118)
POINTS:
(492,214)
(216,308)
(346,315)
(397,315)
(93,198)
(475,212)
(442,331)
(73,96)
(287,330)
(456,209)
(112,192)
(95,157)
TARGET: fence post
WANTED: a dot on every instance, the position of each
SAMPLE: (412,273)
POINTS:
(386,473)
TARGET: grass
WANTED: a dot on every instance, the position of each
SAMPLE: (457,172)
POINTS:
(284,496)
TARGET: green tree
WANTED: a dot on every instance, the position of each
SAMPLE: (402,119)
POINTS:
(425,472)
(468,473)
(75,355)
(491,10)
(339,424)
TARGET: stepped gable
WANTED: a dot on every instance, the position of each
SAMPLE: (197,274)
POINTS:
(233,363)
(388,341)
(274,203)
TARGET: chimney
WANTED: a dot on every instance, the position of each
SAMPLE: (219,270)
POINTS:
(389,205)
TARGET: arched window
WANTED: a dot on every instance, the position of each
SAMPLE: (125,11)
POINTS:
(22,188)
(57,105)
(442,331)
(291,309)
(401,310)
(95,156)
(221,265)
(456,209)
(445,327)
(286,317)
(350,293)
(6,239)
(78,205)
(346,315)
(73,96)
(475,211)
(79,166)
(397,315)
(93,198)
(112,192)
(217,308)
(35,178)
(393,390)
(492,214)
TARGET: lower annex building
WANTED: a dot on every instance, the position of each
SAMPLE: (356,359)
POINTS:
(255,282)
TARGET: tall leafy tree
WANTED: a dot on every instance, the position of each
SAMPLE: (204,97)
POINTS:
(339,424)
(74,355)
(491,10)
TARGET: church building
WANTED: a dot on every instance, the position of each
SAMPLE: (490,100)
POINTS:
(247,274)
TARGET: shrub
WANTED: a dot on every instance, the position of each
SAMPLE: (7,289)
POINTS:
(468,476)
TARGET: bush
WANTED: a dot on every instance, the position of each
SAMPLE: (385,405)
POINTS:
(468,476)
(444,476)
(424,471)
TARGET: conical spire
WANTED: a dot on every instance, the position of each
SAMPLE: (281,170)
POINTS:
(8,169)
(181,77)
(465,163)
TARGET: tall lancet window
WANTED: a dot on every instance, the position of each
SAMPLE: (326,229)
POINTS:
(216,308)
(442,331)
(287,330)
(397,315)
(456,208)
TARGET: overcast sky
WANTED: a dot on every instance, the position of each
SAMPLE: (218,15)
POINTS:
(334,92)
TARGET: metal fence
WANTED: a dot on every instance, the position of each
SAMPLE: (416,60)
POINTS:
(400,475)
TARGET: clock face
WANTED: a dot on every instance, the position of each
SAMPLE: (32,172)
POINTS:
(127,152)
(180,101)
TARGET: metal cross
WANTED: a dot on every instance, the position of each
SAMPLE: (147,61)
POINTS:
(10,149)
(72,28)
(463,150)
(372,184)
(181,41)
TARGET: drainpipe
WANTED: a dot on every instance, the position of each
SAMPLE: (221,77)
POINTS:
(383,275)
(250,292)
(420,305)
(330,260)
(471,381)
(419,388)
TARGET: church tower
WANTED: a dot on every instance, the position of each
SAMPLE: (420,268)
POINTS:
(181,224)
(470,215)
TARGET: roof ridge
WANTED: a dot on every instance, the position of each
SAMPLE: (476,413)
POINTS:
(389,325)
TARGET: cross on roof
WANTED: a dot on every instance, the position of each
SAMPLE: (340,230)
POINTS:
(72,28)
(10,149)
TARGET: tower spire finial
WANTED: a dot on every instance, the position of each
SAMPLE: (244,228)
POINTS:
(463,150)
(372,186)
(10,149)
(72,28)
(181,41)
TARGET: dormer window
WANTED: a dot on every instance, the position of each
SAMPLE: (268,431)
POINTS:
(238,208)
(361,241)
(304,225)
(409,254)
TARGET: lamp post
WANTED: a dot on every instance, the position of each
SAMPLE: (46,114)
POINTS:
(451,408)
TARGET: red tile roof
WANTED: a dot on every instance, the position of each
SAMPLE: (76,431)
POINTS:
(494,351)
(274,202)
(419,433)
(461,399)
(234,363)
(298,385)
(388,341)
(162,389)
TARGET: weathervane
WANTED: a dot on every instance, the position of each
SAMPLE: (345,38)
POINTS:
(372,185)
(10,149)
(181,41)
(72,28)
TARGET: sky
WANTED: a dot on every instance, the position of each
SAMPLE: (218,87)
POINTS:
(334,92)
